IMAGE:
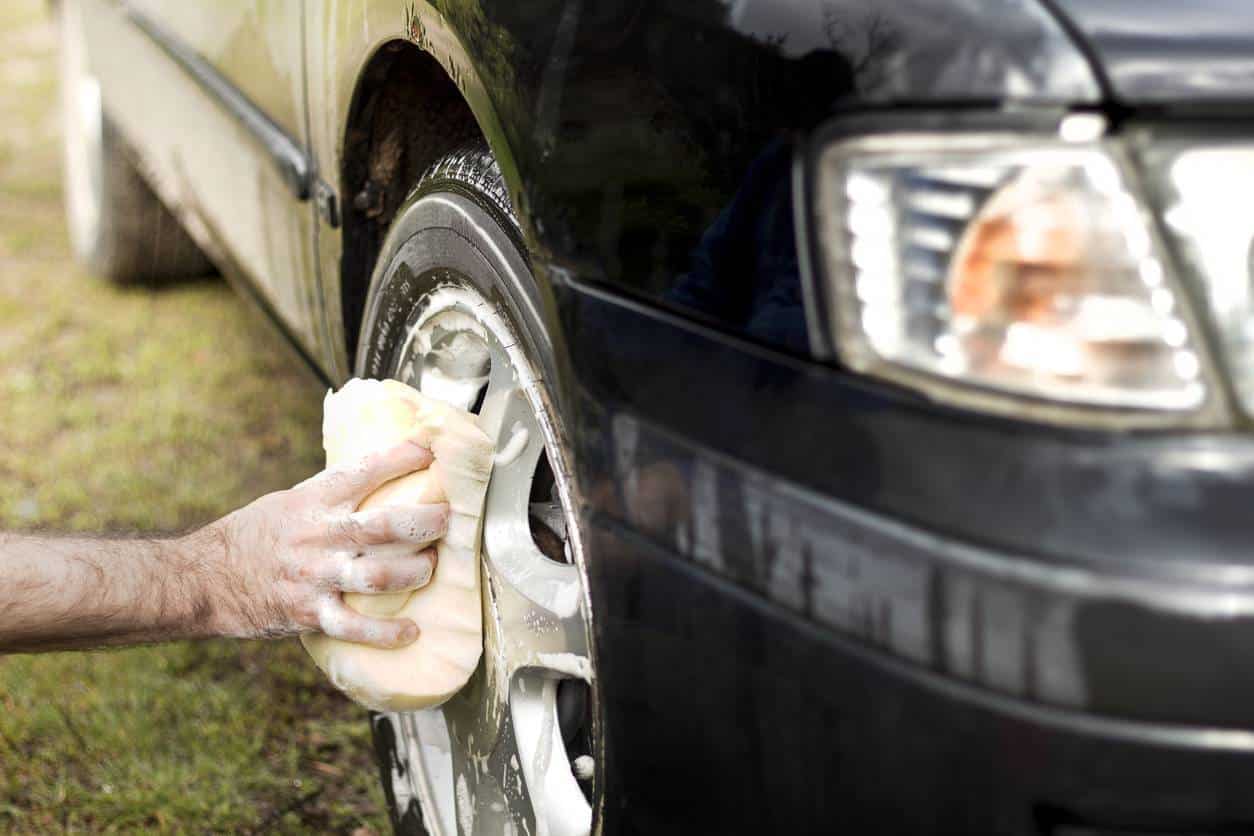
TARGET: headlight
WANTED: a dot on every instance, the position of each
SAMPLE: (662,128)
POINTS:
(1205,191)
(1004,273)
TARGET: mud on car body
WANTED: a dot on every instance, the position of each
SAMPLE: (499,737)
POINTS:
(887,366)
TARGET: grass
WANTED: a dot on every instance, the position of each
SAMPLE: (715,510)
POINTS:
(135,410)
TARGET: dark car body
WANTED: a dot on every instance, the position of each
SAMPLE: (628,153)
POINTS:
(822,603)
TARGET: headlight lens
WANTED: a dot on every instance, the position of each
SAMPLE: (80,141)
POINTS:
(1205,193)
(979,268)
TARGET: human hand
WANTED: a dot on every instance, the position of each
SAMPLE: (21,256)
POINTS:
(286,558)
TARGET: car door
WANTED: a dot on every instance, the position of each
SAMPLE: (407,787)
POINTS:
(211,93)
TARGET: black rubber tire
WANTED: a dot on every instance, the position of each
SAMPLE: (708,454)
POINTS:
(139,240)
(135,239)
(409,266)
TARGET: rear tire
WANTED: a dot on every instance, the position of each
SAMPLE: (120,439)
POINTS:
(119,229)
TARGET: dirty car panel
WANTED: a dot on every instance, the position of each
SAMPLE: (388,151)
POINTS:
(198,152)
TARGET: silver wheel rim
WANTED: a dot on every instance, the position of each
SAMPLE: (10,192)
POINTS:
(492,760)
(83,124)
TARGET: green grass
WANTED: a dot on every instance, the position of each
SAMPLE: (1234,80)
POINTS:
(135,410)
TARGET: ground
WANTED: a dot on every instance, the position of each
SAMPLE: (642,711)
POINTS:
(142,410)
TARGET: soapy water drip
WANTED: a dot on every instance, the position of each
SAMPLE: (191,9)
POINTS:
(544,752)
(465,808)
(583,767)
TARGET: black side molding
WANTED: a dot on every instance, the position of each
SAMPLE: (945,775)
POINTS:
(292,161)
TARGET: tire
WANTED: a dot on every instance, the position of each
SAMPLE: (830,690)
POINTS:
(453,310)
(119,229)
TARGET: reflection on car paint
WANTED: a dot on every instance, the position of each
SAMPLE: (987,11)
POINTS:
(861,575)
(1171,52)
(647,136)
(1054,636)
(744,273)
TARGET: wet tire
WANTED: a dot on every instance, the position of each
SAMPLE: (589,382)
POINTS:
(455,230)
(119,229)
(394,297)
(470,172)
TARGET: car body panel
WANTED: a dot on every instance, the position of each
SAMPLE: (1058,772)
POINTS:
(1021,562)
(651,141)
(774,659)
(725,714)
(343,38)
(255,44)
(1166,52)
(587,108)
(207,163)
(708,90)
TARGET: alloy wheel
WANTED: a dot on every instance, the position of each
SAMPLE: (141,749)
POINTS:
(513,752)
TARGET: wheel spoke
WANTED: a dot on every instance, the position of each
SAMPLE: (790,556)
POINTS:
(542,755)
(508,542)
(426,744)
(537,600)
(502,381)
(489,788)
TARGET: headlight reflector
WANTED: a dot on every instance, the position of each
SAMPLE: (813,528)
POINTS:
(977,267)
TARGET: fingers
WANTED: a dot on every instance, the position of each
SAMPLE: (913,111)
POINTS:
(417,525)
(353,482)
(385,572)
(338,621)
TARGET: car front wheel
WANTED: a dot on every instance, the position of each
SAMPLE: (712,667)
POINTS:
(453,311)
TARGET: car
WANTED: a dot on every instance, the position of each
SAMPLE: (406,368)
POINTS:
(883,370)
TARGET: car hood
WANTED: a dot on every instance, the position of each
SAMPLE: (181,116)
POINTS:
(1160,51)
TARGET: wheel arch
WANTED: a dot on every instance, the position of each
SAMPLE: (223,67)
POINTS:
(412,103)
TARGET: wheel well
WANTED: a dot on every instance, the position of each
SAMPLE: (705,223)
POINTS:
(406,114)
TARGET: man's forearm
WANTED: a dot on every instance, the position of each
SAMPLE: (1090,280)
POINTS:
(72,592)
(276,567)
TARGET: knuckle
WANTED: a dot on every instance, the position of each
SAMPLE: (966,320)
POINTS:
(378,578)
(340,482)
(348,527)
(305,615)
(330,480)
(376,528)
(427,524)
(365,528)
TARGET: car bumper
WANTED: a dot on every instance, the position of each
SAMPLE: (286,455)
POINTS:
(819,604)
(725,714)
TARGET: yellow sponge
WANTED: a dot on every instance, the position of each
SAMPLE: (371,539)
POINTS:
(368,415)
